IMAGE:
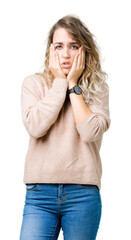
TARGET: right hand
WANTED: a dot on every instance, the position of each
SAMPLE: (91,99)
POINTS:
(54,65)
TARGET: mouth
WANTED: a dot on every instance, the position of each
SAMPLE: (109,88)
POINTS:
(66,65)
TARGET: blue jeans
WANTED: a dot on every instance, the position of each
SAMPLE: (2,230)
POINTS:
(76,208)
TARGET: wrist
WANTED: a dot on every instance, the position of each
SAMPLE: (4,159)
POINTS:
(71,85)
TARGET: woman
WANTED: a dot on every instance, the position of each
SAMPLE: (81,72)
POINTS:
(65,111)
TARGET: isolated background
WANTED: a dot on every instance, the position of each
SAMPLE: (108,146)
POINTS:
(24,28)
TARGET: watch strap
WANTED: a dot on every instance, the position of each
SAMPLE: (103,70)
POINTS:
(70,91)
(73,90)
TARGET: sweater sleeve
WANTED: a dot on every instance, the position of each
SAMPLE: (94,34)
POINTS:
(39,114)
(93,127)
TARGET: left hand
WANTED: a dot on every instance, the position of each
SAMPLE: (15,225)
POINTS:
(77,67)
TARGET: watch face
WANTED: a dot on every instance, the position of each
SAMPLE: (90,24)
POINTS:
(77,89)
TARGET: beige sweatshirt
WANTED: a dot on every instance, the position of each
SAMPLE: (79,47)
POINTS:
(59,151)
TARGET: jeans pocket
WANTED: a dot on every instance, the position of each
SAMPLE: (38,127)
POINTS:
(31,187)
(88,186)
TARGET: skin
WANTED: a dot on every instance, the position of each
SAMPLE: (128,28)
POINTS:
(65,48)
(76,56)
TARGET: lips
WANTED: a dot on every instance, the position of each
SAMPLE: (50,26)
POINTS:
(66,65)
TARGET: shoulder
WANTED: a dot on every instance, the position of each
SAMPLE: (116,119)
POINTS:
(34,84)
(33,79)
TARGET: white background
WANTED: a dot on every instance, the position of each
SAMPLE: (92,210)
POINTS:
(24,28)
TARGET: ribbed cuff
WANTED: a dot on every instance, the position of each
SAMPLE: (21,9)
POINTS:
(60,84)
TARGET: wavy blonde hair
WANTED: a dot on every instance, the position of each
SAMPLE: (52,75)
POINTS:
(93,80)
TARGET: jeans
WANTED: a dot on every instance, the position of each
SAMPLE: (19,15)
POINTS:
(76,208)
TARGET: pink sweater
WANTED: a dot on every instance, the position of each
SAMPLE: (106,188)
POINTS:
(60,151)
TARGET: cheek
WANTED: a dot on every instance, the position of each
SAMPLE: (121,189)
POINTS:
(74,54)
(59,54)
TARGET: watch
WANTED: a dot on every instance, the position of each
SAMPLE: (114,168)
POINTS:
(76,89)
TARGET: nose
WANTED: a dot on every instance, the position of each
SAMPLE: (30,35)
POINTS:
(66,53)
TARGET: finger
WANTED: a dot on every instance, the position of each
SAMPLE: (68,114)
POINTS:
(53,55)
(76,58)
(83,58)
(50,55)
(79,57)
(52,60)
(51,50)
(56,54)
(55,58)
(57,62)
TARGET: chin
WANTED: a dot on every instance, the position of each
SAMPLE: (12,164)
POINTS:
(66,71)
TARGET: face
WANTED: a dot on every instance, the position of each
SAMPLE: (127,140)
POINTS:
(66,47)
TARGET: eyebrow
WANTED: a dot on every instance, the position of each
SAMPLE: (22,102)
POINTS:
(69,43)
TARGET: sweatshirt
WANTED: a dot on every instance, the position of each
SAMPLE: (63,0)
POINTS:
(59,151)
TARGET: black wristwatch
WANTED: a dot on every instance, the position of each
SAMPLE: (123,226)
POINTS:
(76,89)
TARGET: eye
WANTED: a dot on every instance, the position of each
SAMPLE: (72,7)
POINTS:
(74,47)
(58,47)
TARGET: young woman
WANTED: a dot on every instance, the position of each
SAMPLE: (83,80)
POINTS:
(65,110)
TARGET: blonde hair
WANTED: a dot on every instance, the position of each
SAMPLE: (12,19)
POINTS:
(93,80)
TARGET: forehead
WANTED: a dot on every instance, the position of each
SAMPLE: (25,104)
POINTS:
(62,35)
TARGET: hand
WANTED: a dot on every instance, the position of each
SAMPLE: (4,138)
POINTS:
(77,67)
(54,65)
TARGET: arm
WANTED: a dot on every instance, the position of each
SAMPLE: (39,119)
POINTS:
(79,107)
(95,124)
(93,121)
(39,114)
